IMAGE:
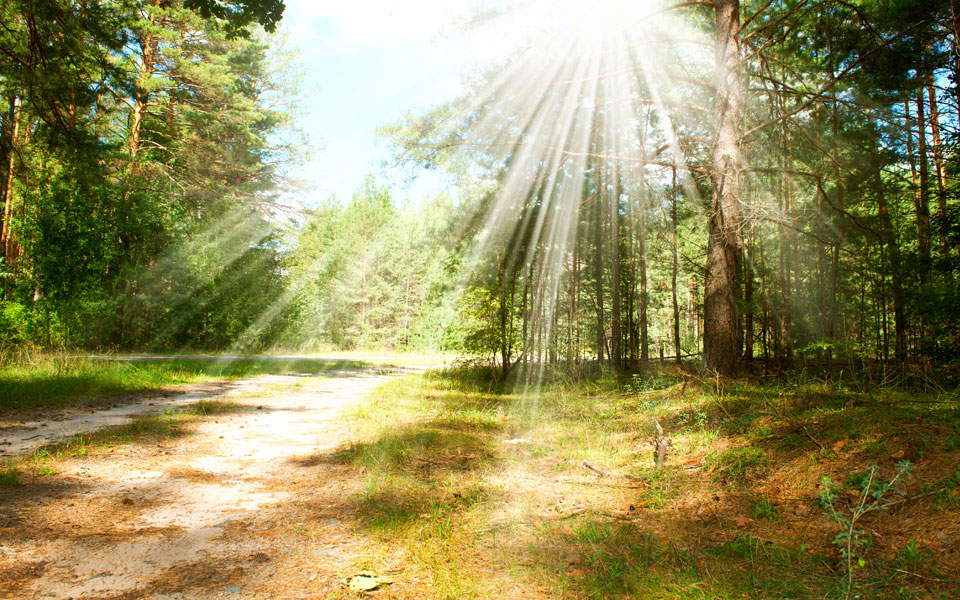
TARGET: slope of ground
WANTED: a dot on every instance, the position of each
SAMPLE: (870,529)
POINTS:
(450,487)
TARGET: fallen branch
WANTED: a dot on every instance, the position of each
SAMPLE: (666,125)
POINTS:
(815,440)
(950,581)
(606,472)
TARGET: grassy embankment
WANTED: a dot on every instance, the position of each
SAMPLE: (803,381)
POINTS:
(50,381)
(741,509)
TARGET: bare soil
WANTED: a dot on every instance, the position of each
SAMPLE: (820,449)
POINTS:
(241,508)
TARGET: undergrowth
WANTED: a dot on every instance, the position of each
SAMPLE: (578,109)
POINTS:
(54,380)
(475,489)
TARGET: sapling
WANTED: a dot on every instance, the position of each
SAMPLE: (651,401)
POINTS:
(873,496)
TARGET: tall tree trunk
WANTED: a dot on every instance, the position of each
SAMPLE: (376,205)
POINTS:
(502,310)
(955,12)
(923,194)
(841,229)
(616,354)
(721,339)
(141,97)
(598,279)
(572,301)
(674,268)
(943,224)
(633,334)
(11,128)
(923,216)
(644,296)
(893,252)
(748,302)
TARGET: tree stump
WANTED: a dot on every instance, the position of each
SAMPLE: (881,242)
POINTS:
(661,444)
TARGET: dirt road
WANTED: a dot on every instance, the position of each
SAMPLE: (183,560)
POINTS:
(237,510)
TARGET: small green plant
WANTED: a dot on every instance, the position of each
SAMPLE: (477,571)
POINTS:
(9,476)
(40,459)
(953,442)
(659,491)
(592,533)
(876,447)
(695,419)
(946,492)
(873,496)
(762,508)
(912,556)
(733,464)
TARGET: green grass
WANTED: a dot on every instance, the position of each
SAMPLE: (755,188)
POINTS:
(732,465)
(54,381)
(9,476)
(477,518)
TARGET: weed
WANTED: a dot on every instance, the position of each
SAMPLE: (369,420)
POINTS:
(946,491)
(695,418)
(762,508)
(953,442)
(641,383)
(876,447)
(40,458)
(857,479)
(9,476)
(913,556)
(872,497)
(733,464)
(592,533)
(659,491)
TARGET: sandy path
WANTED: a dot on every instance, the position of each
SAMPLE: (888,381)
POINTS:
(165,520)
(18,435)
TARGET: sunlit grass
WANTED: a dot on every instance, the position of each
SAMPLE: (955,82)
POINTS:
(53,381)
(734,513)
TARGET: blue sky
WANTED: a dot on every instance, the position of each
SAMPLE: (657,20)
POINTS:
(366,63)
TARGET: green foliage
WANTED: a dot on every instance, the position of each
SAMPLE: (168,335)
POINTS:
(9,476)
(912,556)
(946,491)
(762,508)
(51,380)
(124,227)
(732,465)
(371,274)
(873,494)
(660,491)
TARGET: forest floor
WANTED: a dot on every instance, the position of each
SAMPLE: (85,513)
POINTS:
(191,502)
(442,485)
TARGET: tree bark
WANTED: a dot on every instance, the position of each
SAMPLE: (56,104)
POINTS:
(674,269)
(616,353)
(748,302)
(923,195)
(943,224)
(893,252)
(598,280)
(11,130)
(644,299)
(721,336)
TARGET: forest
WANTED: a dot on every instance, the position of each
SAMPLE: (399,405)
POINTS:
(144,152)
(725,232)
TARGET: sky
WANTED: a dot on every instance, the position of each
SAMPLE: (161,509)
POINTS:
(365,64)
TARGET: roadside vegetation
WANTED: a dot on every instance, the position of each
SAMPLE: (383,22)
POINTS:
(48,380)
(793,488)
